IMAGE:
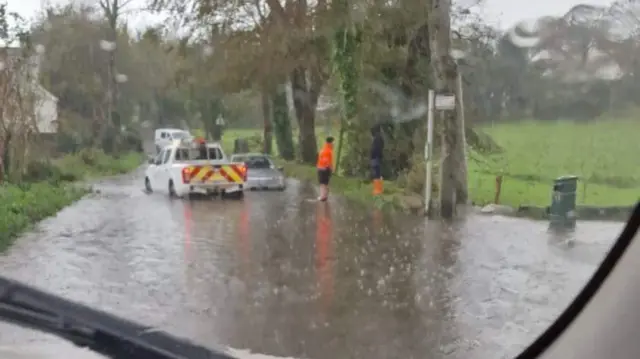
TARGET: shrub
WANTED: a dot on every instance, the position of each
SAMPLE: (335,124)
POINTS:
(45,171)
(91,162)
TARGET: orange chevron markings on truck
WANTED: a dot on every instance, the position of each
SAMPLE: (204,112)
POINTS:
(202,174)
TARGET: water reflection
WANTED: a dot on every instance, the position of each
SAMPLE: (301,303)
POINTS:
(244,240)
(324,253)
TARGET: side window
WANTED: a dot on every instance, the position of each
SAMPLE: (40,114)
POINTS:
(163,135)
(215,153)
(167,156)
(182,154)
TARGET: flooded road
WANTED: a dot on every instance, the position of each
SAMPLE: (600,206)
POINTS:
(282,275)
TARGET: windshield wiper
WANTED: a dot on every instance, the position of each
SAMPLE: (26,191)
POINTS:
(86,327)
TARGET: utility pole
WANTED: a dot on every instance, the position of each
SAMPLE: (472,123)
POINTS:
(428,154)
(462,182)
(445,75)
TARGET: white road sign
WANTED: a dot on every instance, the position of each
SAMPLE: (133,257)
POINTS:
(445,102)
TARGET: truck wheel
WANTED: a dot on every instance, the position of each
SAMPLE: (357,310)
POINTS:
(172,190)
(147,185)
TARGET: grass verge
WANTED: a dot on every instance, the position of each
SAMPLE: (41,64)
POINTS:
(22,205)
(92,163)
(351,188)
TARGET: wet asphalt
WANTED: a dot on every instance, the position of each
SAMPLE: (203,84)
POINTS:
(283,275)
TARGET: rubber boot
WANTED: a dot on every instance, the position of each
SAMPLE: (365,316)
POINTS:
(377,187)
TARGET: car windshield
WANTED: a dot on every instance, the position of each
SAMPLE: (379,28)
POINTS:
(179,135)
(413,179)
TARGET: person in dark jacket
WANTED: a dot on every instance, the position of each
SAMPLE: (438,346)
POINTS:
(377,149)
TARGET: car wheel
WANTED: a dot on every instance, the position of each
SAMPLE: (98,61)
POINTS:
(147,185)
(172,190)
(282,188)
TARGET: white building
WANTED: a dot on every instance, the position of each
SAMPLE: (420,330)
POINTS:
(46,109)
(46,104)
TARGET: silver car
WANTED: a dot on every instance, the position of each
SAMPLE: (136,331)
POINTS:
(262,173)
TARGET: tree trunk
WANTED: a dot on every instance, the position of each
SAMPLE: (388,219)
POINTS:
(445,75)
(210,110)
(6,155)
(304,103)
(282,124)
(267,139)
(112,90)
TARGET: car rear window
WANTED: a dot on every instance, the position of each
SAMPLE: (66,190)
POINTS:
(184,154)
(258,162)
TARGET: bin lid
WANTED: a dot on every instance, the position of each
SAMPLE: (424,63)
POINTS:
(566,178)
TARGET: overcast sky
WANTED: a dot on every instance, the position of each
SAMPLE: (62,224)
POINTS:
(497,12)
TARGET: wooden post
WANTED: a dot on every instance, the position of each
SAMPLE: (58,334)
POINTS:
(496,199)
(445,75)
(462,182)
(428,154)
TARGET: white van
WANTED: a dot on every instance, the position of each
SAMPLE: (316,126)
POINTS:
(165,136)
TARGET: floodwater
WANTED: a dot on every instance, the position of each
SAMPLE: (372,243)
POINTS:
(282,275)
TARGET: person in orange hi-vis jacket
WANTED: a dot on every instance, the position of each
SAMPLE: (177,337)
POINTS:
(325,168)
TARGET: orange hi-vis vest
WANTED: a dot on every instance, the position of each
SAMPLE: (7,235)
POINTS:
(325,157)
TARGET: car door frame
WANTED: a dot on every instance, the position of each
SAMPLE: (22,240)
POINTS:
(163,173)
(154,170)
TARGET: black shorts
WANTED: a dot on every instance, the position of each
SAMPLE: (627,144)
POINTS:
(324,175)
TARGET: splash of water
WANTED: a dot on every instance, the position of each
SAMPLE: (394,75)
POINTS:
(397,107)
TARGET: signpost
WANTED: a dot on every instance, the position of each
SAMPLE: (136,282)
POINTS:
(435,103)
(445,102)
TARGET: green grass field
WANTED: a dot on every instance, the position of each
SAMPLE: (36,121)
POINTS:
(601,153)
(605,154)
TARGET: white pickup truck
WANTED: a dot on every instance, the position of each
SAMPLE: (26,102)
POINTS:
(186,167)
